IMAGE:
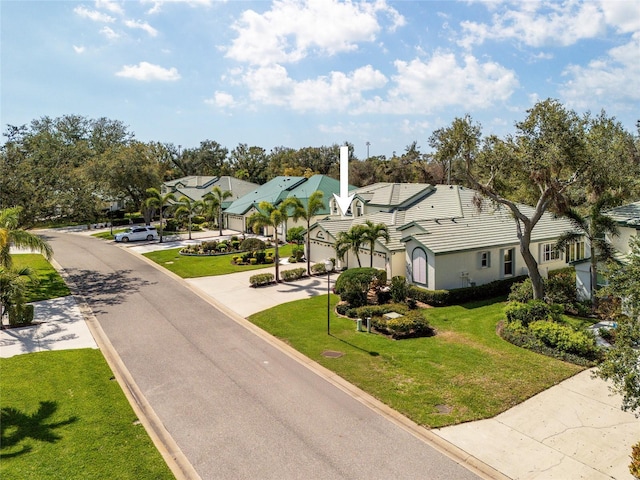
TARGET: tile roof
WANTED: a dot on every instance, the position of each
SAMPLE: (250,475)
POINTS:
(447,220)
(628,215)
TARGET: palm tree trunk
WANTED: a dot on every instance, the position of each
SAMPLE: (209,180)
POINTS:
(277,260)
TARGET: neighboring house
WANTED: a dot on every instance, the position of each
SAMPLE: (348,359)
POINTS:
(628,219)
(438,238)
(274,192)
(195,187)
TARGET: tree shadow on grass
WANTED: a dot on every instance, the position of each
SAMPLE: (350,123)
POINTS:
(17,426)
(106,289)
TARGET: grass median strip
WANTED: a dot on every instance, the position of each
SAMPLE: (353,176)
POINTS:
(466,372)
(187,266)
(63,416)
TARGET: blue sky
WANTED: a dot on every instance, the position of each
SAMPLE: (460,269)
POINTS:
(300,73)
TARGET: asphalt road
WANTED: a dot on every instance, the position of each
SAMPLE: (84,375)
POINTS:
(238,407)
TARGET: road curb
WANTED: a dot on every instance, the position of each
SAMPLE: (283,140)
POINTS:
(161,438)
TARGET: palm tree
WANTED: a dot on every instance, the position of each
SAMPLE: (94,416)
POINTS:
(315,204)
(269,215)
(187,208)
(12,235)
(351,240)
(373,232)
(214,200)
(595,227)
(159,201)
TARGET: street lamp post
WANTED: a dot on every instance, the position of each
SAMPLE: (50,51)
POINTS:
(328,265)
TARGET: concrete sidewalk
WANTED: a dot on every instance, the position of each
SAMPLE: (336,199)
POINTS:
(59,325)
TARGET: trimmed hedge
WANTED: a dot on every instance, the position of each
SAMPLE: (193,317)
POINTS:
(261,279)
(456,296)
(294,274)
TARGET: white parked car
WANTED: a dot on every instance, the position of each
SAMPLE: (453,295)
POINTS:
(137,233)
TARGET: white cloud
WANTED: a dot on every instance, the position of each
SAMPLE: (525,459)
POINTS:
(271,85)
(221,99)
(110,5)
(417,86)
(109,33)
(292,29)
(157,4)
(613,80)
(441,82)
(538,24)
(78,49)
(147,72)
(142,26)
(93,15)
(623,15)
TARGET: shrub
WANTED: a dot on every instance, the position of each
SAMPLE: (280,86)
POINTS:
(526,313)
(521,292)
(261,257)
(172,225)
(198,220)
(564,338)
(377,310)
(412,324)
(236,259)
(399,289)
(261,279)
(20,314)
(209,246)
(517,334)
(560,287)
(246,257)
(253,261)
(294,274)
(352,285)
(318,268)
(342,308)
(292,259)
(235,244)
(252,244)
(634,466)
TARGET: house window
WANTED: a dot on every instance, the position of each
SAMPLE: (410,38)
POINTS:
(485,259)
(575,251)
(549,253)
(358,209)
(334,207)
(508,262)
(419,266)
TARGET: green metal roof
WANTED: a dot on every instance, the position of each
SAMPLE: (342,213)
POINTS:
(274,191)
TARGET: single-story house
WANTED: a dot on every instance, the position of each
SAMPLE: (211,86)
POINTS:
(275,191)
(195,187)
(438,237)
(627,218)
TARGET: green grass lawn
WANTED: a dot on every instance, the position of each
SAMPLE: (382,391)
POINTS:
(466,372)
(206,266)
(63,416)
(51,283)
